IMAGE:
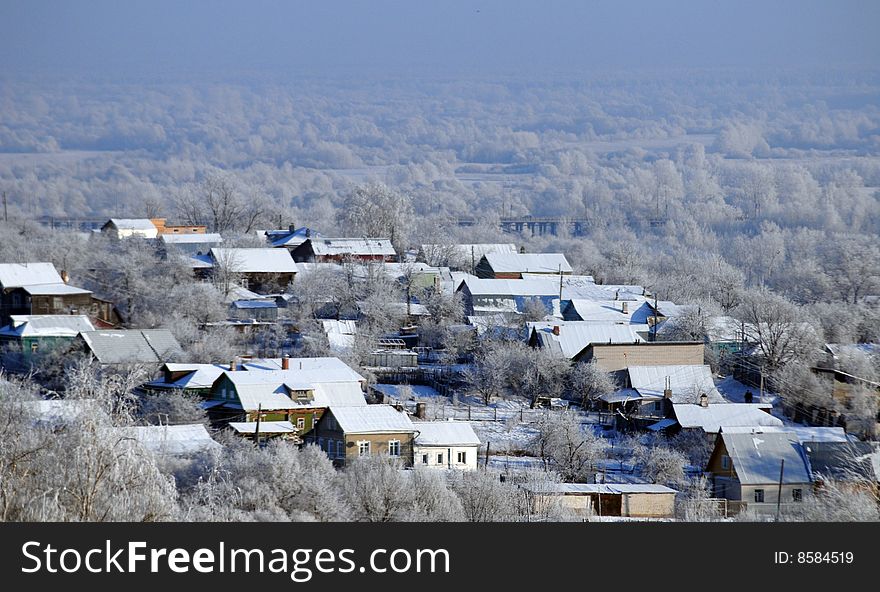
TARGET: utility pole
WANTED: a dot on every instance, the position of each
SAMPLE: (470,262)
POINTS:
(5,209)
(257,428)
(762,384)
(560,287)
(779,491)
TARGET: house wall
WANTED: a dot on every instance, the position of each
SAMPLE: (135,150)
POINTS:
(616,357)
(648,505)
(267,282)
(448,453)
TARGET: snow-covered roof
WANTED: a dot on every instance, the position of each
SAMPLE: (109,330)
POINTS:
(123,346)
(351,246)
(171,439)
(574,336)
(17,275)
(528,263)
(801,433)
(495,287)
(686,382)
(133,223)
(266,427)
(47,326)
(249,304)
(757,457)
(445,433)
(372,419)
(255,260)
(53,290)
(288,238)
(714,418)
(194,238)
(340,327)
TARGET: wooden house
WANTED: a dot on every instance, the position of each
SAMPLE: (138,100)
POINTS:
(347,433)
(260,270)
(512,266)
(339,250)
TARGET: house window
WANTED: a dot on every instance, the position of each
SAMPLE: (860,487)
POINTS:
(797,495)
(16,300)
(424,459)
(300,423)
(57,303)
(363,448)
(440,459)
(34,347)
(244,283)
(658,406)
(321,443)
(462,457)
(759,496)
(394,448)
(340,449)
(725,462)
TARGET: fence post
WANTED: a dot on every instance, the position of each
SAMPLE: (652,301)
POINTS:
(496,414)
(469,412)
(520,414)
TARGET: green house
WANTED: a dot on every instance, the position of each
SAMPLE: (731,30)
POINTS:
(35,334)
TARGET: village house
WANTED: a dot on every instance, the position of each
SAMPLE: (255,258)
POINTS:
(650,391)
(197,379)
(751,469)
(165,229)
(38,289)
(347,433)
(629,500)
(619,357)
(290,238)
(34,334)
(570,340)
(300,392)
(254,310)
(339,250)
(259,270)
(130,346)
(120,228)
(189,244)
(445,445)
(262,431)
(512,266)
(492,296)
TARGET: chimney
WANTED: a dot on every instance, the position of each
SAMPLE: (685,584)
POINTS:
(291,227)
(64,276)
(285,362)
(624,307)
(421,410)
(233,365)
(704,400)
(556,329)
(667,392)
(522,250)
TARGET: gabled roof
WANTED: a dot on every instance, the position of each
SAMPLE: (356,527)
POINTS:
(372,419)
(171,439)
(528,263)
(445,433)
(511,288)
(132,345)
(17,275)
(47,326)
(757,457)
(351,246)
(575,336)
(687,382)
(255,260)
(714,418)
(132,223)
(282,238)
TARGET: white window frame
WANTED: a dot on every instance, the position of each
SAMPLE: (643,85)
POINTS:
(300,423)
(461,457)
(755,495)
(426,458)
(725,462)
(394,444)
(439,458)
(364,448)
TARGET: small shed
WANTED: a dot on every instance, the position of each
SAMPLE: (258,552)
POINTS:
(630,500)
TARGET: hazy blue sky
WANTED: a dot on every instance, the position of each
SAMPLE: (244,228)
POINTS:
(324,36)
